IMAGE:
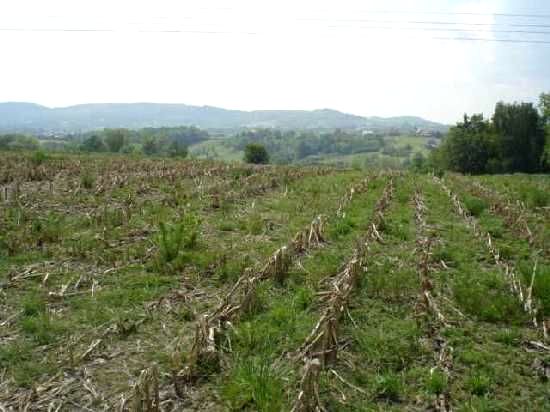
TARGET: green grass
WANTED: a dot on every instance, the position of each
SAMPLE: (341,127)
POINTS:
(254,386)
(162,241)
(216,149)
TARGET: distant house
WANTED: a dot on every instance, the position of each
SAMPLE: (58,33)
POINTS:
(367,133)
(425,133)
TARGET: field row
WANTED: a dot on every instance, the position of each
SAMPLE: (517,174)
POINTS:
(323,291)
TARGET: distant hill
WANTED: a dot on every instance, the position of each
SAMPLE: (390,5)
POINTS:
(29,117)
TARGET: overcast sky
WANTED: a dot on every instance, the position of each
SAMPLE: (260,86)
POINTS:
(380,57)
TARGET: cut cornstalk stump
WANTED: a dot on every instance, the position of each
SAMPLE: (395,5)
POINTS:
(320,348)
(242,298)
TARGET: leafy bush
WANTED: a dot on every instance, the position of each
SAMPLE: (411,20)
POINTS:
(256,153)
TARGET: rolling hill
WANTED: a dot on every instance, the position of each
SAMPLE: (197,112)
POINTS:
(33,117)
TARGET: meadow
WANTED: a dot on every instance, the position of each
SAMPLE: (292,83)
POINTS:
(143,284)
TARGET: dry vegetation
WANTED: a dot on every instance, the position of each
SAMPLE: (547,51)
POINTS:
(148,285)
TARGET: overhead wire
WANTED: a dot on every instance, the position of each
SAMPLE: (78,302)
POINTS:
(394,25)
(437,23)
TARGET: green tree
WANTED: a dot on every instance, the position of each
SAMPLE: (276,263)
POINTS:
(94,143)
(177,149)
(544,106)
(256,153)
(18,142)
(469,146)
(115,139)
(521,137)
(150,146)
(418,162)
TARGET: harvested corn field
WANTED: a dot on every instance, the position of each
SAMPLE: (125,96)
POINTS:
(148,285)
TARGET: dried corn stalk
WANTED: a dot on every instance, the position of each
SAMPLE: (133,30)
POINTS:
(442,351)
(308,397)
(510,273)
(146,392)
(321,345)
(242,296)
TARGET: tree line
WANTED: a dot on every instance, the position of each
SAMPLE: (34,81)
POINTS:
(288,146)
(162,141)
(515,139)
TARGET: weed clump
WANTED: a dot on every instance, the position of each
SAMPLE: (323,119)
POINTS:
(488,299)
(535,197)
(254,386)
(175,241)
(437,383)
(389,387)
(474,205)
(38,158)
(36,323)
(342,227)
(87,180)
(479,384)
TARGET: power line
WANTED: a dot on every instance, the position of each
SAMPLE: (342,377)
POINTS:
(57,30)
(440,13)
(451,23)
(169,31)
(448,29)
(443,13)
(492,40)
(21,29)
(122,31)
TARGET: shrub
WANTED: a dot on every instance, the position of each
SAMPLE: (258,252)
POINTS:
(256,153)
(38,158)
(177,149)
